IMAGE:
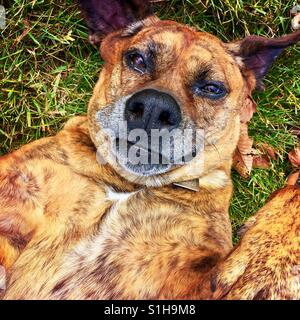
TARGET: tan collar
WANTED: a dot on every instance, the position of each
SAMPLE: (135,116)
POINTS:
(214,180)
(193,185)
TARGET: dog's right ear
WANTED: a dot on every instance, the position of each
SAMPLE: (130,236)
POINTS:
(258,53)
(106,16)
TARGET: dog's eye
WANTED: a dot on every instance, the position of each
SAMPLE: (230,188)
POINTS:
(136,61)
(213,90)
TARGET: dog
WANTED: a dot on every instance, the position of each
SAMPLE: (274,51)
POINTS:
(80,221)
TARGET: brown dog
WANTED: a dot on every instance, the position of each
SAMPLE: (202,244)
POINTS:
(73,227)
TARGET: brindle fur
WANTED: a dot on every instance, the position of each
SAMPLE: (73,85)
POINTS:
(266,263)
(136,248)
(71,228)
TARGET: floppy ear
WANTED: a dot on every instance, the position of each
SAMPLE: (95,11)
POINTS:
(258,53)
(106,16)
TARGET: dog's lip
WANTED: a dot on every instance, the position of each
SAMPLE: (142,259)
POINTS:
(146,173)
(131,144)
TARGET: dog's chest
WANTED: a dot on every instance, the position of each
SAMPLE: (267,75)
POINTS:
(117,197)
(120,202)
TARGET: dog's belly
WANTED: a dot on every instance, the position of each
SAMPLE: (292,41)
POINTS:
(145,245)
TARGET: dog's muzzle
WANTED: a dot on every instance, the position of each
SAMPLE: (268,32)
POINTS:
(149,134)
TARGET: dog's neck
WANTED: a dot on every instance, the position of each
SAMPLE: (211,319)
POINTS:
(218,178)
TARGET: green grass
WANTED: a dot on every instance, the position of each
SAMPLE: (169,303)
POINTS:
(48,70)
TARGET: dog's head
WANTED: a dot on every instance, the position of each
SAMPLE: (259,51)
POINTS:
(167,104)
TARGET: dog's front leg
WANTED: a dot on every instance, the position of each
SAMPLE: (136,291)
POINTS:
(266,262)
(21,209)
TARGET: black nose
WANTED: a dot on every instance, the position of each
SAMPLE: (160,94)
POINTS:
(152,109)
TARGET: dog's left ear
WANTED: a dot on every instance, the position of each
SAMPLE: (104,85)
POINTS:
(258,53)
(106,16)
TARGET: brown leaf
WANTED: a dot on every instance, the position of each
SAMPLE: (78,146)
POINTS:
(293,178)
(261,161)
(266,149)
(248,110)
(242,158)
(265,153)
(294,157)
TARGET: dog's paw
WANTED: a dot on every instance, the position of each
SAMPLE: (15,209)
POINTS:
(75,122)
(246,226)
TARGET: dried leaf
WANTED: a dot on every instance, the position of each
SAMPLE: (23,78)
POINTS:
(248,109)
(294,157)
(243,158)
(266,149)
(293,178)
(261,161)
(265,153)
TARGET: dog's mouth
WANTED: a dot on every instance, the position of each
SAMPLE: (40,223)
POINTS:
(148,154)
(140,159)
